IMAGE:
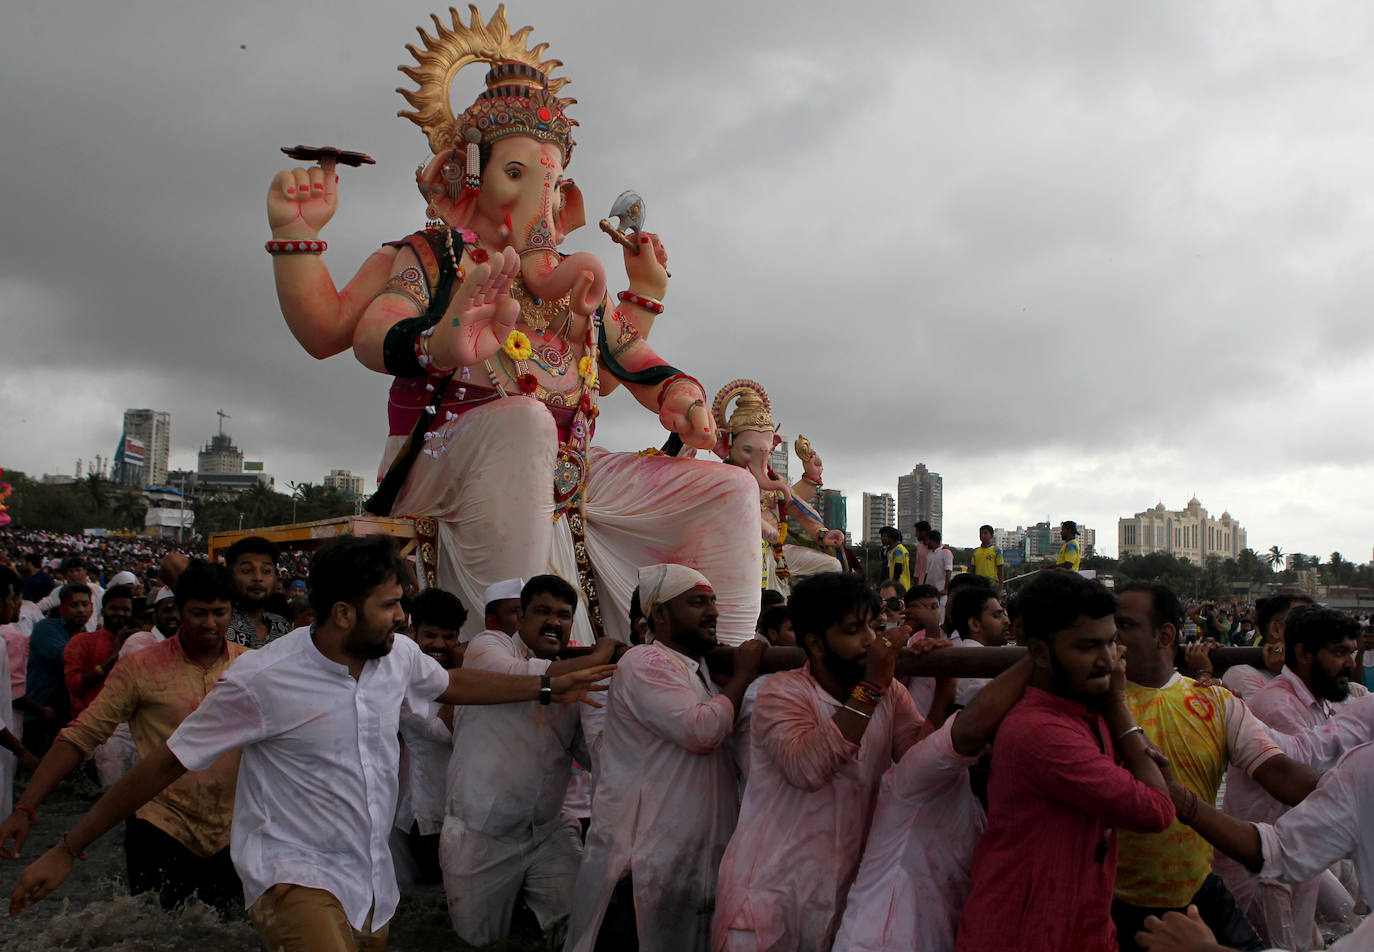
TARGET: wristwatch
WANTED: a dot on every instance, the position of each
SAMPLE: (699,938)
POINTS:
(545,689)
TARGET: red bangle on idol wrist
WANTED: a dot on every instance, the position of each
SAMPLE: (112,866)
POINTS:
(672,382)
(25,808)
(297,246)
(652,305)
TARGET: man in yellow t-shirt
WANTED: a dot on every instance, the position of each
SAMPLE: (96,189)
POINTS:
(987,561)
(1201,730)
(1069,552)
(896,556)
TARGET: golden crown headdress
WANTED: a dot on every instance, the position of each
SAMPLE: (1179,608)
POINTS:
(520,99)
(752,408)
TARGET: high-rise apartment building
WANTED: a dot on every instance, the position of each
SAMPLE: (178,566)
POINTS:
(345,482)
(833,508)
(1012,543)
(1188,532)
(219,456)
(880,509)
(920,495)
(145,447)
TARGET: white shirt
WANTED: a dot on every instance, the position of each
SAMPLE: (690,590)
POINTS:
(29,615)
(317,785)
(665,805)
(914,877)
(140,640)
(1245,680)
(428,746)
(1335,822)
(511,763)
(939,564)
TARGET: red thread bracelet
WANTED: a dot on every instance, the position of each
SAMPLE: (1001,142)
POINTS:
(33,815)
(296,247)
(638,300)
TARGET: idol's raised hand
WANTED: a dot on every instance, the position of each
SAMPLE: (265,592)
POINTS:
(647,265)
(300,202)
(481,315)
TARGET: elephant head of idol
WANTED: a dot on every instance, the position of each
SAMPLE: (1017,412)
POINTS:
(747,433)
(498,168)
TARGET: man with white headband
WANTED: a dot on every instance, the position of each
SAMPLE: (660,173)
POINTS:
(667,795)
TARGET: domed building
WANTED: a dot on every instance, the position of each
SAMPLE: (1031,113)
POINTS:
(1188,532)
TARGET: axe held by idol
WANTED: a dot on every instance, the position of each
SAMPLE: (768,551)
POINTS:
(628,211)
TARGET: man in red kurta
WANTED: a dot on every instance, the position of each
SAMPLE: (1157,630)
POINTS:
(1044,868)
(89,656)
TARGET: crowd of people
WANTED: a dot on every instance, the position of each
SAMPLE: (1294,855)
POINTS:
(299,740)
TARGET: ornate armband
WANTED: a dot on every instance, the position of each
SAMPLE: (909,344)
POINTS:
(409,283)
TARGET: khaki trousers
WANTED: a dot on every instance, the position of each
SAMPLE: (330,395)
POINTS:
(291,918)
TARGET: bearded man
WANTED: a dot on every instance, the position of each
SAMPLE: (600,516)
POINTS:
(1044,867)
(667,792)
(822,738)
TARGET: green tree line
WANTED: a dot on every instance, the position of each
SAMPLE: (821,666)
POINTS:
(98,503)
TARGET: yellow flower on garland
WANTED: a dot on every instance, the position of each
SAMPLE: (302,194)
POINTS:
(586,369)
(517,346)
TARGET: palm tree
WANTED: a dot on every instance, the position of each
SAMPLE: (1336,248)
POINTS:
(1340,568)
(1275,558)
(130,508)
(95,491)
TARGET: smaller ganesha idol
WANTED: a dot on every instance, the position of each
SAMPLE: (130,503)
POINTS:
(747,439)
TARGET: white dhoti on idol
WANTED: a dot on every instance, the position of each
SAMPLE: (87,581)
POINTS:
(801,562)
(491,493)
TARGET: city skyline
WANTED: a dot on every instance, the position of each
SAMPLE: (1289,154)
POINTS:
(858,516)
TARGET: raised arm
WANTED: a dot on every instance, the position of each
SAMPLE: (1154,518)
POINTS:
(300,202)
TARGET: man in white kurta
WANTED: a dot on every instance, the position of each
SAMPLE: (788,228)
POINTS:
(1335,822)
(666,796)
(914,878)
(822,738)
(1284,913)
(504,836)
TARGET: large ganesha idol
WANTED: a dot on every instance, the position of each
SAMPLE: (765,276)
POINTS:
(500,346)
(748,438)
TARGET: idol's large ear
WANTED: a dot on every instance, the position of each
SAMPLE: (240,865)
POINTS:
(573,213)
(722,447)
(430,182)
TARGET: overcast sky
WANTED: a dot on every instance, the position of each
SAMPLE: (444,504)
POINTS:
(1075,257)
